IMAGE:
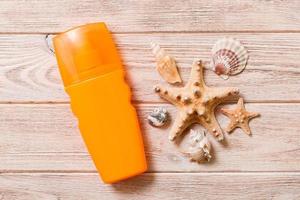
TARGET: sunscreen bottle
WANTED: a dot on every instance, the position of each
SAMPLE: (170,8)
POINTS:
(93,76)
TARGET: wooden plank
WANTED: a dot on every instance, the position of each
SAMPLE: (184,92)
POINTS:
(152,186)
(28,72)
(150,16)
(45,137)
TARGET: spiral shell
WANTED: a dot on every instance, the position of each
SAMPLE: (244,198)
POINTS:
(158,117)
(229,57)
(199,147)
(166,65)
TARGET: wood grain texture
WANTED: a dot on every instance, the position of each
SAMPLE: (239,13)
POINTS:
(150,16)
(46,137)
(150,186)
(28,71)
(42,154)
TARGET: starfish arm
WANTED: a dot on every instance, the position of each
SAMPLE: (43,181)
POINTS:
(252,114)
(231,126)
(246,128)
(179,125)
(221,93)
(170,94)
(196,76)
(227,112)
(241,103)
(230,114)
(212,125)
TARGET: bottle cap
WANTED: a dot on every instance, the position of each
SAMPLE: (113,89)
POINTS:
(85,52)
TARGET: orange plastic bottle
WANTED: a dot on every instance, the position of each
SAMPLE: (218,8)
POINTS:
(93,77)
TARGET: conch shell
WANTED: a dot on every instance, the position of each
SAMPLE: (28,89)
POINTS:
(166,65)
(199,147)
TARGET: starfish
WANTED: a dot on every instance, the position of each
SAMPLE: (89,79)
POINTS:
(239,117)
(196,103)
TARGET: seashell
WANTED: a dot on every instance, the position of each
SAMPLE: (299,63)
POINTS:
(199,147)
(166,65)
(229,57)
(158,117)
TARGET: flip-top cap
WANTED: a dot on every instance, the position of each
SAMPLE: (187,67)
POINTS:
(85,52)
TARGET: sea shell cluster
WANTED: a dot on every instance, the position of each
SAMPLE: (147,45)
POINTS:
(195,100)
(229,57)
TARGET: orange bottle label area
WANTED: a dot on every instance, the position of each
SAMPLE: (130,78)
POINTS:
(109,126)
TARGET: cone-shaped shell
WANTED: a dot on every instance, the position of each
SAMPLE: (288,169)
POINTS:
(166,65)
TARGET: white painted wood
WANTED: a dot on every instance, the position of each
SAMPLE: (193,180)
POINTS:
(150,16)
(28,72)
(87,186)
(45,137)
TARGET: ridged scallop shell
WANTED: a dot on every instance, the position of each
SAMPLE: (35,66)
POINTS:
(199,147)
(158,117)
(166,65)
(229,57)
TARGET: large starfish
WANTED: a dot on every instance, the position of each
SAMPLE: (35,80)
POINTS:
(239,117)
(196,103)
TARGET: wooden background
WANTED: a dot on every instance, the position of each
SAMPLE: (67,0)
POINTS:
(42,155)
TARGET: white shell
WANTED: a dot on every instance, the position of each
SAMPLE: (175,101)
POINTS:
(157,51)
(166,65)
(199,147)
(229,57)
(158,117)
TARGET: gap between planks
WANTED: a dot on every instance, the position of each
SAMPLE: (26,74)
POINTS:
(145,16)
(161,32)
(145,102)
(151,173)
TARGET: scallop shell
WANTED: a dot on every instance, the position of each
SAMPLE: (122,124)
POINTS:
(166,65)
(158,117)
(229,57)
(199,147)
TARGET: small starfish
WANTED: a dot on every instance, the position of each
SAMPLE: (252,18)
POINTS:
(196,103)
(239,117)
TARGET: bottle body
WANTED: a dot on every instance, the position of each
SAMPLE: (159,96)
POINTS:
(93,76)
(109,125)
